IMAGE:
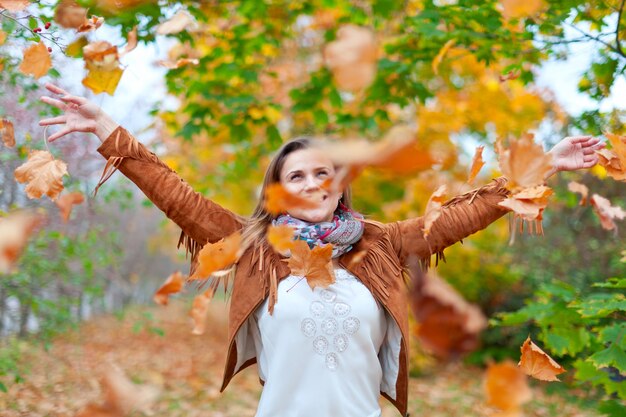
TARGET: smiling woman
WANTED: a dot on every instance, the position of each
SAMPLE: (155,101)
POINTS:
(329,351)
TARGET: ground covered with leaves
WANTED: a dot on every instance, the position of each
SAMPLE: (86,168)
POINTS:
(155,348)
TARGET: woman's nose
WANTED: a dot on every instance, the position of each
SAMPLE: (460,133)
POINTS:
(311,183)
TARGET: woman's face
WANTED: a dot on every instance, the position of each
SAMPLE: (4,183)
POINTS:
(303,173)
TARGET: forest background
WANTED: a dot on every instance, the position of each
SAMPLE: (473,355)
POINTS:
(241,77)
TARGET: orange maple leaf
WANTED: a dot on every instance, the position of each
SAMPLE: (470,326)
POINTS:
(506,386)
(529,203)
(477,164)
(278,200)
(606,212)
(614,160)
(179,63)
(69,14)
(7,133)
(315,265)
(217,256)
(93,23)
(102,61)
(43,173)
(280,237)
(582,189)
(14,5)
(172,285)
(15,229)
(200,310)
(514,9)
(524,163)
(538,364)
(67,201)
(36,61)
(433,208)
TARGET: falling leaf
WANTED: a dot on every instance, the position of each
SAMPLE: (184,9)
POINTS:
(120,396)
(477,164)
(102,61)
(179,22)
(606,212)
(610,161)
(75,49)
(15,229)
(525,164)
(93,23)
(14,5)
(69,14)
(100,81)
(536,363)
(514,9)
(511,75)
(315,265)
(172,285)
(278,200)
(506,386)
(200,310)
(433,208)
(352,57)
(179,63)
(582,189)
(3,37)
(36,61)
(217,256)
(280,237)
(7,133)
(43,173)
(529,203)
(132,42)
(67,201)
(442,53)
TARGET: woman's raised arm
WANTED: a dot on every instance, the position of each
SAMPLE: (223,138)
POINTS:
(199,218)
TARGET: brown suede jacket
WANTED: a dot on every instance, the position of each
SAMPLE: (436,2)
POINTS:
(387,246)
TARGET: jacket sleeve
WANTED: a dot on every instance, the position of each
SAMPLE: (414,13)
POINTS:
(460,217)
(200,219)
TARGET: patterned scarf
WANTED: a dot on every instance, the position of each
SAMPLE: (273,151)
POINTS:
(345,229)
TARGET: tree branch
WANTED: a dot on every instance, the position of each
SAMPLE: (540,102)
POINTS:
(619,17)
(597,39)
(48,37)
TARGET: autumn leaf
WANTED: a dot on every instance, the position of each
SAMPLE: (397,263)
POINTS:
(524,163)
(199,311)
(69,14)
(102,61)
(506,386)
(610,161)
(178,64)
(217,256)
(67,201)
(606,212)
(529,203)
(179,22)
(511,75)
(433,208)
(442,53)
(315,265)
(132,42)
(100,81)
(172,285)
(7,133)
(536,363)
(14,5)
(582,189)
(15,229)
(352,57)
(280,237)
(120,396)
(119,5)
(36,61)
(278,200)
(3,37)
(514,9)
(43,173)
(93,23)
(477,164)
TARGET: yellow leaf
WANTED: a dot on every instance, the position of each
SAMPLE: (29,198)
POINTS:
(442,53)
(3,37)
(75,48)
(103,81)
(512,9)
(36,61)
(280,237)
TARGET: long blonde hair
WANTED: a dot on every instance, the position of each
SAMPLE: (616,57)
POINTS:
(256,226)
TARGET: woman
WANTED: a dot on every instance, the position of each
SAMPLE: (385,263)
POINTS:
(330,351)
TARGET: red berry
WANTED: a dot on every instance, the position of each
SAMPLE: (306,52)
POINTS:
(49,49)
(36,30)
(47,26)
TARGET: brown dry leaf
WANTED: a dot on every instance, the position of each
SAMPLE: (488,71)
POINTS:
(69,14)
(217,256)
(315,265)
(172,285)
(606,212)
(43,173)
(121,396)
(36,61)
(449,326)
(433,208)
(132,42)
(93,23)
(14,5)
(477,164)
(179,22)
(538,364)
(7,133)
(280,237)
(67,201)
(278,200)
(179,63)
(529,203)
(200,310)
(524,163)
(611,162)
(506,386)
(511,75)
(352,57)
(15,229)
(102,61)
(442,53)
(582,189)
(514,9)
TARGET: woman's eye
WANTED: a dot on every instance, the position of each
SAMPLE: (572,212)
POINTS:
(296,177)
(322,174)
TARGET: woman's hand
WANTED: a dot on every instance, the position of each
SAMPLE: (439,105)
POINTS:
(575,152)
(80,115)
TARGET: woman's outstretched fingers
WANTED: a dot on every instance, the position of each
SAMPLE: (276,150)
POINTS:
(56,89)
(54,102)
(56,135)
(53,121)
